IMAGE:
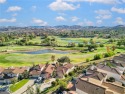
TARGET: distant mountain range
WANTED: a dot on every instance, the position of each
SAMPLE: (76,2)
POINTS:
(73,27)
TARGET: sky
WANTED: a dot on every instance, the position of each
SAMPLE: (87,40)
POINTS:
(62,12)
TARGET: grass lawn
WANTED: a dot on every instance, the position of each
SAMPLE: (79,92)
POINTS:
(17,86)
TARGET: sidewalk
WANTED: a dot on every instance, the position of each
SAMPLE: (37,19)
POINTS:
(24,88)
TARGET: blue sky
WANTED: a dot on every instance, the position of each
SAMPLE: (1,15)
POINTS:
(62,12)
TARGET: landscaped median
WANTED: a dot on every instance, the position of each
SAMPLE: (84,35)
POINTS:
(18,85)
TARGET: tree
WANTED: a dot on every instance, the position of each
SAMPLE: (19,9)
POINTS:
(91,41)
(53,58)
(25,75)
(80,45)
(64,59)
(119,43)
(37,91)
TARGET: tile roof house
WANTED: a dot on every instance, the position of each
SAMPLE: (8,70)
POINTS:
(111,72)
(48,71)
(36,70)
(35,73)
(62,70)
(86,87)
(94,76)
(117,89)
(20,70)
(119,59)
(11,73)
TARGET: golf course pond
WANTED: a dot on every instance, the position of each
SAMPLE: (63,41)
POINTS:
(45,51)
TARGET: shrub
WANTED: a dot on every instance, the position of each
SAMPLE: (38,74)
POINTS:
(71,73)
(54,83)
(109,54)
(80,45)
(87,60)
(66,75)
(111,79)
(101,45)
(97,56)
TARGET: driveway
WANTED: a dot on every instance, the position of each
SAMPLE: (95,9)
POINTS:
(24,88)
(43,86)
(46,85)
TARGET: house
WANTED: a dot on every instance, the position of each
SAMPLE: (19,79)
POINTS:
(8,74)
(36,70)
(62,70)
(48,71)
(86,87)
(35,73)
(94,76)
(116,88)
(20,70)
(39,67)
(119,59)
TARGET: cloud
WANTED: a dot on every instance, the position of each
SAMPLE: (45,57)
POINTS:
(14,8)
(60,5)
(118,10)
(103,14)
(99,22)
(74,19)
(33,8)
(62,14)
(15,14)
(86,23)
(123,1)
(60,18)
(119,21)
(2,1)
(96,1)
(39,22)
(80,23)
(7,20)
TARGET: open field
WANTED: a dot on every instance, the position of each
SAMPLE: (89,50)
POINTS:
(22,59)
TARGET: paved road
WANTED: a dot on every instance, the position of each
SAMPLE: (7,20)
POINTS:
(24,88)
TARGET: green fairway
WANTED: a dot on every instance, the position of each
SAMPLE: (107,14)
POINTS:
(18,85)
(22,59)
